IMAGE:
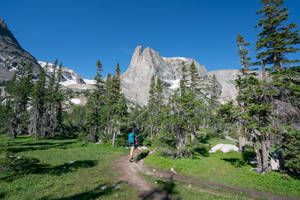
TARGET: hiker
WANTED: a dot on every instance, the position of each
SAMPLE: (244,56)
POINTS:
(131,143)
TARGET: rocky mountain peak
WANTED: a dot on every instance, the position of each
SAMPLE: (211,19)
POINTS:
(12,54)
(69,78)
(146,63)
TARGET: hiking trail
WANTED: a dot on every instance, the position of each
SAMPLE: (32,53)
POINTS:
(130,173)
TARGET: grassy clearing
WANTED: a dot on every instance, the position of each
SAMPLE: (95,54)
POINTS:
(67,169)
(229,169)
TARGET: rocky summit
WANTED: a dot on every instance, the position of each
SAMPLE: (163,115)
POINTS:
(12,55)
(145,63)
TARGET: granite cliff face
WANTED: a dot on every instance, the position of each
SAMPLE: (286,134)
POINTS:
(145,63)
(226,81)
(12,54)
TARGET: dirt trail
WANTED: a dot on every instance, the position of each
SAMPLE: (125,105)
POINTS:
(129,172)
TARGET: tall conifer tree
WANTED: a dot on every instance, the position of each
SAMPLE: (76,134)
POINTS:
(277,38)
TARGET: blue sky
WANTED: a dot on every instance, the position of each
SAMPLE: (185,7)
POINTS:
(79,32)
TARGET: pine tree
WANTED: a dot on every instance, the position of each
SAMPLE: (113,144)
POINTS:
(18,90)
(184,79)
(57,105)
(159,94)
(100,90)
(151,107)
(38,102)
(291,152)
(25,88)
(242,83)
(276,41)
(195,78)
(97,116)
(277,37)
(119,107)
(243,53)
(48,121)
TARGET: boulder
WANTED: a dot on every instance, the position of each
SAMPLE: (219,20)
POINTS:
(224,148)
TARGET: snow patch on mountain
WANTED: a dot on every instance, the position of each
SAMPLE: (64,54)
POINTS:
(69,78)
(89,81)
(174,84)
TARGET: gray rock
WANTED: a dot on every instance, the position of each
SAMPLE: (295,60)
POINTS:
(226,80)
(276,160)
(145,63)
(12,54)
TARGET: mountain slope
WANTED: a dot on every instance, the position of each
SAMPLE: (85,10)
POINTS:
(12,54)
(69,79)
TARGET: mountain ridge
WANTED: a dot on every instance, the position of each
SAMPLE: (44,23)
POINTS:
(12,55)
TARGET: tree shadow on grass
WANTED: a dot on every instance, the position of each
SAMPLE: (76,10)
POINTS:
(33,166)
(248,155)
(2,195)
(235,162)
(16,147)
(164,191)
(99,191)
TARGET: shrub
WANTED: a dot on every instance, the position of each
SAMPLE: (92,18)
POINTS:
(291,152)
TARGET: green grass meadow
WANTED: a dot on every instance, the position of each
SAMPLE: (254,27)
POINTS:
(67,169)
(228,169)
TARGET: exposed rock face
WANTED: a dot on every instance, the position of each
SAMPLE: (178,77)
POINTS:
(69,78)
(226,81)
(12,54)
(145,63)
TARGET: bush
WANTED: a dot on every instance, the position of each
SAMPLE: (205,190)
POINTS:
(164,143)
(83,137)
(291,152)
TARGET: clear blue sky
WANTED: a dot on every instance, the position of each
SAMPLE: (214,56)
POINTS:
(79,32)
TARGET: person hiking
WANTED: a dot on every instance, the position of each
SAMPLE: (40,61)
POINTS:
(131,143)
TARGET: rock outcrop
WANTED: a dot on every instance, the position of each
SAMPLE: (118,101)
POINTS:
(225,148)
(12,55)
(145,63)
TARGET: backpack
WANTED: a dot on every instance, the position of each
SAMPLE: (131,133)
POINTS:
(131,137)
